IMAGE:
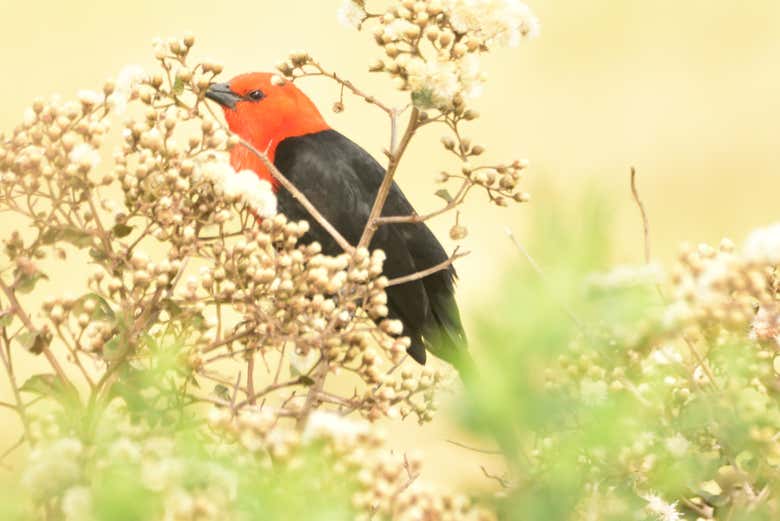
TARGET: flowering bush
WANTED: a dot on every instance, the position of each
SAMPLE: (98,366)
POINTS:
(649,394)
(190,377)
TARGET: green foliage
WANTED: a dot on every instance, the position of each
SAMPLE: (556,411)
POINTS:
(602,405)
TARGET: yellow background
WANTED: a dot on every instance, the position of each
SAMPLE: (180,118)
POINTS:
(688,92)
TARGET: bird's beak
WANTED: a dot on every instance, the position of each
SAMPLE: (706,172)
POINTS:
(221,93)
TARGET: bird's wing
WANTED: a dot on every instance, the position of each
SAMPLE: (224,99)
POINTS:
(443,328)
(340,180)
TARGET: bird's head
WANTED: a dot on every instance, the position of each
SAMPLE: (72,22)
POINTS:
(264,109)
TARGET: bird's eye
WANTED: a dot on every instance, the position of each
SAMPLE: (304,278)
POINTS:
(256,95)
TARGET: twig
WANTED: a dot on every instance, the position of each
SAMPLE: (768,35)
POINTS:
(387,182)
(252,398)
(19,311)
(505,483)
(539,272)
(320,373)
(645,226)
(424,273)
(417,218)
(645,223)
(250,378)
(12,448)
(21,409)
(346,84)
(475,449)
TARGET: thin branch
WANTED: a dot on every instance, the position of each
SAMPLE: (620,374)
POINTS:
(474,449)
(417,218)
(387,182)
(320,374)
(252,398)
(12,448)
(424,273)
(539,272)
(645,226)
(21,409)
(346,84)
(641,206)
(250,378)
(19,311)
(505,483)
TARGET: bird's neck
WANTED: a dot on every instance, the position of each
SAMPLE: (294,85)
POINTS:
(265,140)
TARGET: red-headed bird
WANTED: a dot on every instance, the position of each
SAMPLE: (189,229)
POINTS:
(341,180)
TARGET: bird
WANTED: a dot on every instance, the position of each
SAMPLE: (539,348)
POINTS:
(341,180)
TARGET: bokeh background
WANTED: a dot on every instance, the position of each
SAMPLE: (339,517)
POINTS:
(688,92)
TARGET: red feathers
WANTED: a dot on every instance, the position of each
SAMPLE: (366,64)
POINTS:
(265,113)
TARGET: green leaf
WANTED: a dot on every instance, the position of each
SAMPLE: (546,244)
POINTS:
(178,86)
(6,319)
(444,194)
(96,254)
(26,283)
(51,235)
(423,98)
(102,310)
(222,392)
(71,234)
(121,230)
(52,386)
(112,350)
(42,384)
(34,341)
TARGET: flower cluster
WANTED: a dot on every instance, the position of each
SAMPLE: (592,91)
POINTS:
(721,287)
(660,396)
(192,272)
(432,47)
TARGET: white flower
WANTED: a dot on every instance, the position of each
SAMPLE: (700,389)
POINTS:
(664,511)
(129,77)
(504,22)
(666,355)
(77,504)
(627,276)
(677,445)
(255,192)
(160,474)
(29,116)
(89,97)
(244,186)
(439,80)
(593,392)
(84,154)
(53,466)
(303,364)
(763,245)
(350,14)
(127,80)
(328,424)
(766,325)
(471,77)
(395,29)
(216,170)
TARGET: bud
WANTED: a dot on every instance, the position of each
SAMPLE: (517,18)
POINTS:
(458,232)
(448,142)
(376,66)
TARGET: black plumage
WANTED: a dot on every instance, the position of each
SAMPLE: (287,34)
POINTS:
(341,180)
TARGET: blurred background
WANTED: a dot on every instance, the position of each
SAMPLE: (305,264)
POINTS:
(687,92)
